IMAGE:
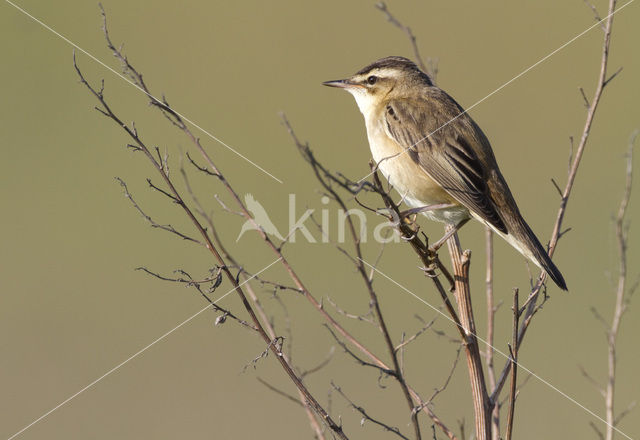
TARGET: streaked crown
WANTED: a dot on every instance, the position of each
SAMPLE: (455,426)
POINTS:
(395,66)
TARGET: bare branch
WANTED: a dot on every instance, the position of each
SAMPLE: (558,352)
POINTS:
(613,75)
(177,121)
(153,224)
(586,102)
(382,369)
(597,430)
(596,16)
(276,342)
(171,197)
(315,425)
(214,282)
(366,416)
(432,68)
(621,291)
(593,382)
(279,392)
(491,315)
(449,376)
(379,257)
(320,365)
(201,168)
(600,319)
(626,411)
(416,335)
(513,351)
(367,317)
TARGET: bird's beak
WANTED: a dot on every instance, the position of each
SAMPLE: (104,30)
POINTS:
(340,83)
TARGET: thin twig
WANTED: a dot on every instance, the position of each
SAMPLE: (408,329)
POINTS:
(621,291)
(213,281)
(591,380)
(320,365)
(415,336)
(279,392)
(153,223)
(626,411)
(367,317)
(513,354)
(432,68)
(491,314)
(276,342)
(449,376)
(596,16)
(366,416)
(383,369)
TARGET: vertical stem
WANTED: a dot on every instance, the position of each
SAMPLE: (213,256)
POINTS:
(610,389)
(482,408)
(491,313)
(620,305)
(513,350)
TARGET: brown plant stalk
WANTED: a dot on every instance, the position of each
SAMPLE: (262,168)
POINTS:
(460,262)
(621,297)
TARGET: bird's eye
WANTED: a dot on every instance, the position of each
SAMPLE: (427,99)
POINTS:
(372,80)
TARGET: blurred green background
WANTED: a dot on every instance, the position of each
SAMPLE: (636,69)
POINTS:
(72,307)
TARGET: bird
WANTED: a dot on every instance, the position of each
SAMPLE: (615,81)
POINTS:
(260,217)
(433,153)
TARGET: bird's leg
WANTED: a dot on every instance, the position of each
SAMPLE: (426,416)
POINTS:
(409,216)
(420,209)
(438,244)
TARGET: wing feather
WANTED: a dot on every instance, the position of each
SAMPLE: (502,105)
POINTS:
(443,151)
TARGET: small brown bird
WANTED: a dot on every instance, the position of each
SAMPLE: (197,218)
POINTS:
(433,153)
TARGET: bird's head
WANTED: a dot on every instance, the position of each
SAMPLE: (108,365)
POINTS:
(373,83)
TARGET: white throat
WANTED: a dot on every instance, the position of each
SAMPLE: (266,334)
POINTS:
(366,102)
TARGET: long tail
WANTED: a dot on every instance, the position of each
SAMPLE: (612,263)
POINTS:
(522,238)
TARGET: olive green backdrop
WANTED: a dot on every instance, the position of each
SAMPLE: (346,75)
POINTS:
(72,307)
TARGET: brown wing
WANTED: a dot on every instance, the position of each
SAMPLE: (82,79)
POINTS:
(444,148)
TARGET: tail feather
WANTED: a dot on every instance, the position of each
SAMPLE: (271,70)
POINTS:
(554,273)
(533,249)
(521,237)
(542,257)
